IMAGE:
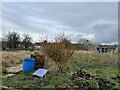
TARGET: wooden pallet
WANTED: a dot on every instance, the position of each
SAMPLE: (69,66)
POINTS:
(14,70)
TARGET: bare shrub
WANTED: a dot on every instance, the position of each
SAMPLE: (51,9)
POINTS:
(60,51)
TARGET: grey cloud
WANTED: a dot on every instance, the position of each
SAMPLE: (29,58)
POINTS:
(105,33)
(81,14)
(72,18)
(102,26)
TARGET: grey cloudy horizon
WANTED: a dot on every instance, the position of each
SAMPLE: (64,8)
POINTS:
(95,21)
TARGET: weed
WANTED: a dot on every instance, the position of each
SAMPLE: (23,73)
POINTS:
(57,80)
(94,83)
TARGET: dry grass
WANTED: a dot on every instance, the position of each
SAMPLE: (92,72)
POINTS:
(86,58)
(92,56)
(13,58)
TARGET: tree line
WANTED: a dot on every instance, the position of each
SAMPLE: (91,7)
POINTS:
(13,41)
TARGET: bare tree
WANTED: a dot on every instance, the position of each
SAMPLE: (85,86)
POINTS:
(12,39)
(87,44)
(84,43)
(27,40)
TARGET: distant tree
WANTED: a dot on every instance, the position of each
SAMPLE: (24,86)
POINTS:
(12,39)
(27,40)
(84,43)
(87,44)
(4,40)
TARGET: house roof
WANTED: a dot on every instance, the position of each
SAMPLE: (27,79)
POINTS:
(107,46)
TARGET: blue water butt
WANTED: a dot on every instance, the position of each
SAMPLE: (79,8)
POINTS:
(28,65)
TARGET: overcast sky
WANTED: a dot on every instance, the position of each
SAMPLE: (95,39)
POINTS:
(94,21)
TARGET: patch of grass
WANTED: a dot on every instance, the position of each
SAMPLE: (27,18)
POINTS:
(57,80)
(94,83)
(22,80)
(78,81)
(48,86)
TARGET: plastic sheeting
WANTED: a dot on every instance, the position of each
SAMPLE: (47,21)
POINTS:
(40,72)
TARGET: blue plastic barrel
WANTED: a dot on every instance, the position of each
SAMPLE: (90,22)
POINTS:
(28,65)
(99,51)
